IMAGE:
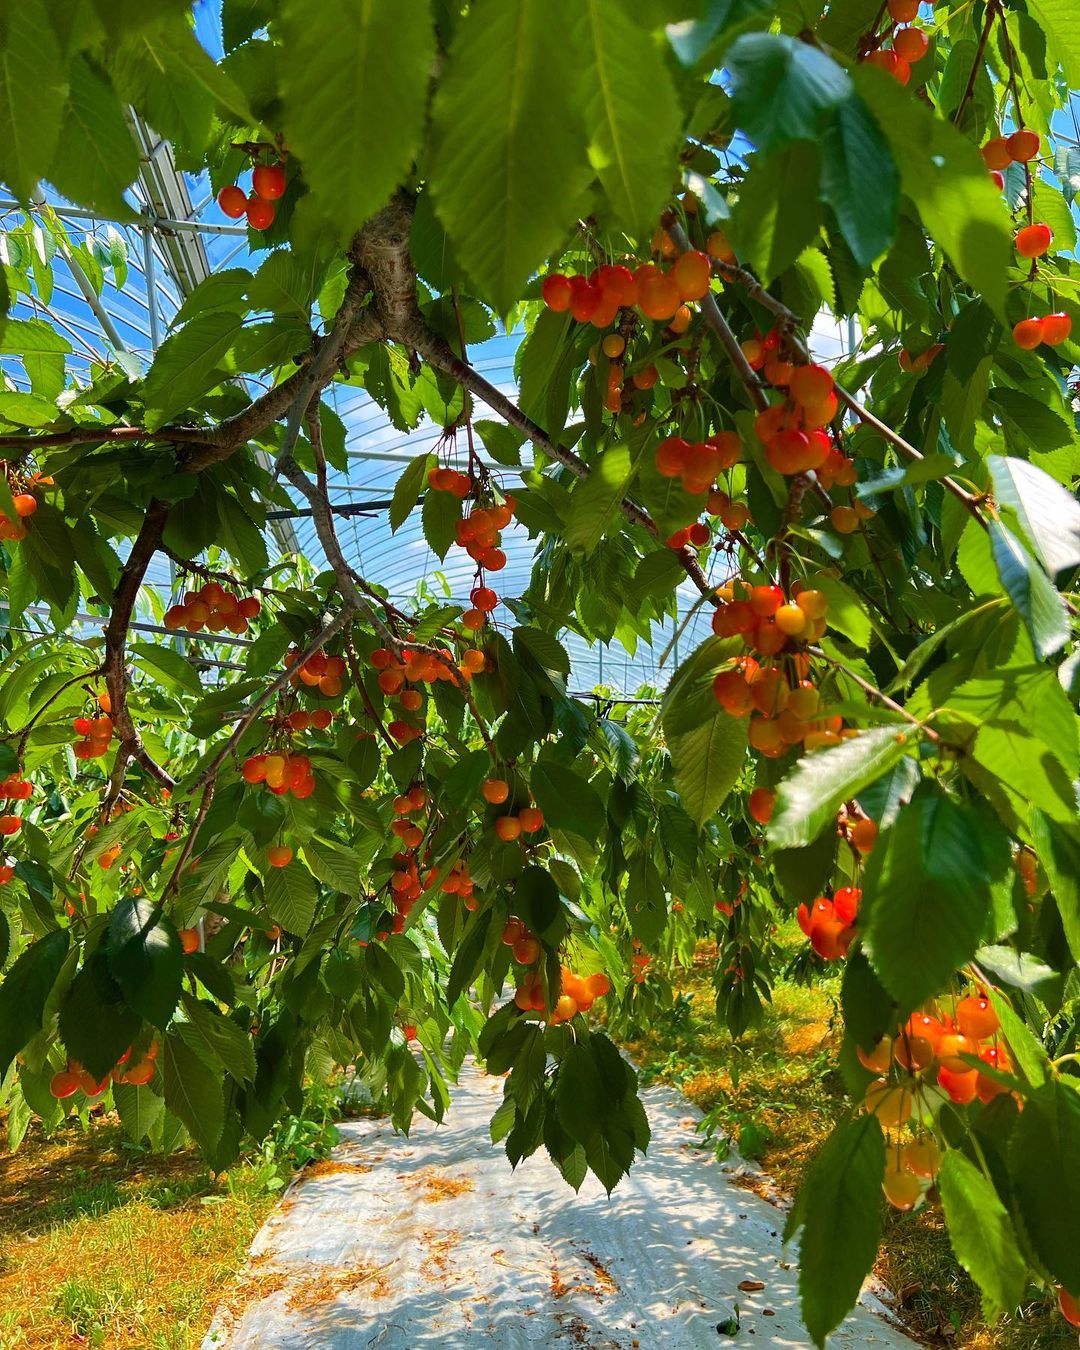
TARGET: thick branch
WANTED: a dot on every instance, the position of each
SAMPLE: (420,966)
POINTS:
(116,631)
(29,442)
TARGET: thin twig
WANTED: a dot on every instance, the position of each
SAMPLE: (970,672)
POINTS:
(875,693)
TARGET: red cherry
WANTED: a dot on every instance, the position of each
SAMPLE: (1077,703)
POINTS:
(268,181)
(1028,333)
(557,292)
(911,44)
(1056,329)
(1023,145)
(1033,240)
(232,201)
(260,214)
(999,180)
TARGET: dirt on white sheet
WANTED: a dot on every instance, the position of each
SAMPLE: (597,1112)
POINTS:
(397,1244)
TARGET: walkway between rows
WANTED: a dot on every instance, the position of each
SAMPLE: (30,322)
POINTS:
(398,1244)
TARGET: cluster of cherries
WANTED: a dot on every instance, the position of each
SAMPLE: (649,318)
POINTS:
(529,820)
(793,431)
(418,667)
(319,671)
(577,993)
(640,962)
(658,294)
(16,788)
(1053,329)
(909,44)
(76,1079)
(932,1047)
(917,364)
(782,701)
(458,484)
(281,771)
(830,924)
(696,464)
(405,805)
(1001,151)
(267,187)
(95,733)
(212,607)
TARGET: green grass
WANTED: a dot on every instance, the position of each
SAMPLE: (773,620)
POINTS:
(105,1246)
(776,1094)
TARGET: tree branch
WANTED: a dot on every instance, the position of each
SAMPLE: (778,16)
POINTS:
(114,664)
(875,693)
(429,345)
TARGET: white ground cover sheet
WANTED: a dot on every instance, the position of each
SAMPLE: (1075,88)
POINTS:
(398,1243)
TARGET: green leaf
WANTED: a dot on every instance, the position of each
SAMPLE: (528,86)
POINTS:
(1058,849)
(547,651)
(944,175)
(168,667)
(439,516)
(839,1211)
(193,1091)
(707,747)
(31,337)
(285,284)
(595,502)
(220,290)
(187,363)
(1031,591)
(505,194)
(291,897)
(771,235)
(468,957)
(1048,513)
(145,959)
(138,1109)
(927,894)
(632,111)
(334,864)
(95,1024)
(335,112)
(1021,970)
(568,800)
(1028,1053)
(503,443)
(982,1233)
(646,906)
(463,781)
(859,181)
(26,987)
(1046,1181)
(809,797)
(169,75)
(218,1042)
(1060,21)
(869,1010)
(33,89)
(785,90)
(96,158)
(691,39)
